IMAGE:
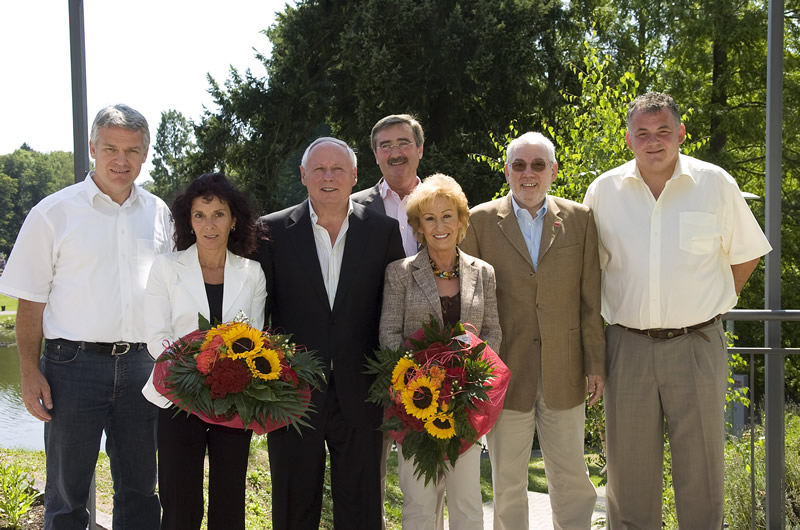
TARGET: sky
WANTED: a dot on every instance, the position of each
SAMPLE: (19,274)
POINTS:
(150,54)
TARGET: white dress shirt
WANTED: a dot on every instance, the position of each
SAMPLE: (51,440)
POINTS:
(330,256)
(395,208)
(88,258)
(667,262)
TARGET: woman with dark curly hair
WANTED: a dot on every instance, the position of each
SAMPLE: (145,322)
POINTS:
(215,226)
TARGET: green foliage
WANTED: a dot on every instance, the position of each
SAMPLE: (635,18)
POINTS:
(17,493)
(589,131)
(173,145)
(26,177)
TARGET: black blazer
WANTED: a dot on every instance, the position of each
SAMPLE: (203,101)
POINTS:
(371,198)
(298,304)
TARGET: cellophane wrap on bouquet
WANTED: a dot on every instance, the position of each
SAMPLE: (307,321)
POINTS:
(443,389)
(238,376)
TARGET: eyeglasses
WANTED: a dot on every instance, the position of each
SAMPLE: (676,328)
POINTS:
(537,165)
(402,145)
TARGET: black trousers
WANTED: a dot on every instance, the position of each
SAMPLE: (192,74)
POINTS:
(182,443)
(297,465)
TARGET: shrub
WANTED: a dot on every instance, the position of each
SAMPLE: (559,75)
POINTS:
(17,493)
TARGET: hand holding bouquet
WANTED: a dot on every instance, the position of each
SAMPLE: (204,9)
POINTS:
(238,376)
(443,390)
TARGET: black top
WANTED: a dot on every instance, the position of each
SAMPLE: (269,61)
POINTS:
(214,295)
(451,309)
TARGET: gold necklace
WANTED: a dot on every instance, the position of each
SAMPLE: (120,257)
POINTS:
(444,274)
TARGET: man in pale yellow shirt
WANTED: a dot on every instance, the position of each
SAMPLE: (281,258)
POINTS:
(677,244)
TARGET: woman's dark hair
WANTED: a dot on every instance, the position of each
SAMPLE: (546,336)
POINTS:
(241,241)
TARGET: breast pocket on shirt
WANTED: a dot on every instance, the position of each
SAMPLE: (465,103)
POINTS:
(699,232)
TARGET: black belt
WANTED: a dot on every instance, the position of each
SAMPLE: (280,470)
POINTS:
(667,333)
(105,348)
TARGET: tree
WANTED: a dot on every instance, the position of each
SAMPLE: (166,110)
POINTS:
(8,190)
(35,175)
(461,67)
(173,145)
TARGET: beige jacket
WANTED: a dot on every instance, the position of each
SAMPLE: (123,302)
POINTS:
(566,307)
(410,297)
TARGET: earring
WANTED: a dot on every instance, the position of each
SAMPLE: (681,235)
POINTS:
(192,231)
(233,228)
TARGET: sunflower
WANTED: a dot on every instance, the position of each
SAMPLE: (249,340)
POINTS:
(217,331)
(421,397)
(401,375)
(441,426)
(264,364)
(243,341)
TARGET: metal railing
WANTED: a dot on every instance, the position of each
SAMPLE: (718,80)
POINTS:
(774,429)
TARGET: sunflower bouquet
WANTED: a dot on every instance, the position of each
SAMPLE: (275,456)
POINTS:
(442,390)
(238,376)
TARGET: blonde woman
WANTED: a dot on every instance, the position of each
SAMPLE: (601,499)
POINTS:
(442,281)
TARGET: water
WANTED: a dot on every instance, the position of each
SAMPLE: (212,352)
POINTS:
(18,429)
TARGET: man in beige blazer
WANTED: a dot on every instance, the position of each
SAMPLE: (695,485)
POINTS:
(544,251)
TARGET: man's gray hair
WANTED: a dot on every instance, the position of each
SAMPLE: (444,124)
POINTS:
(120,115)
(531,138)
(394,119)
(329,140)
(653,102)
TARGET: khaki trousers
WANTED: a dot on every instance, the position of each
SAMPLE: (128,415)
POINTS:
(561,433)
(682,380)
(385,450)
(462,486)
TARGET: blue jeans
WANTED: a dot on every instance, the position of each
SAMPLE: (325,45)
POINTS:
(93,393)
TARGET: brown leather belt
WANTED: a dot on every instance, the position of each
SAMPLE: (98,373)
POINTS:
(666,333)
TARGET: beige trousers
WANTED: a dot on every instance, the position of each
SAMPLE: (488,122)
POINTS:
(461,485)
(682,380)
(561,433)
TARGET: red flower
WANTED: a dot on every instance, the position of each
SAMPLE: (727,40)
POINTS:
(288,375)
(437,352)
(458,373)
(409,421)
(228,377)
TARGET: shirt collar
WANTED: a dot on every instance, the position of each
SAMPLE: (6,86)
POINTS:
(517,208)
(93,191)
(315,217)
(681,169)
(385,189)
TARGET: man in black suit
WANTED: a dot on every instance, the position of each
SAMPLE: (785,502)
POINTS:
(325,259)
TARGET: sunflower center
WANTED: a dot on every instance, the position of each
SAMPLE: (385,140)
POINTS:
(263,365)
(242,344)
(423,397)
(441,424)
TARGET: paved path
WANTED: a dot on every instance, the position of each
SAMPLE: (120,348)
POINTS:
(540,517)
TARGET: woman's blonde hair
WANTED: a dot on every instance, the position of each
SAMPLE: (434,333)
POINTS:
(438,185)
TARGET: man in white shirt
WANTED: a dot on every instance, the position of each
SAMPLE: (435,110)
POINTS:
(79,268)
(677,244)
(325,261)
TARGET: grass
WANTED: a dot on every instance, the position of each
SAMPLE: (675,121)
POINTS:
(10,303)
(259,485)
